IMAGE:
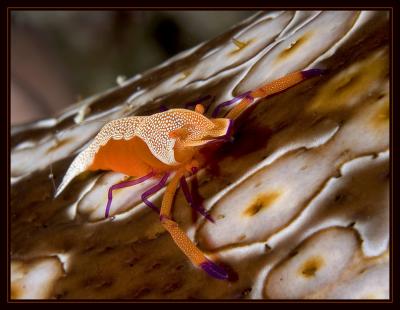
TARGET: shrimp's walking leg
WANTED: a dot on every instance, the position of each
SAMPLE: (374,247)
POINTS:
(123,185)
(154,190)
(192,202)
(181,239)
(274,87)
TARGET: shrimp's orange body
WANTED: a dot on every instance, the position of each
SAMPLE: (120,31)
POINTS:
(170,141)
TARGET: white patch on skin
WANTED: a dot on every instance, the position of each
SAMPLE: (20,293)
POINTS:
(331,27)
(373,283)
(318,263)
(34,279)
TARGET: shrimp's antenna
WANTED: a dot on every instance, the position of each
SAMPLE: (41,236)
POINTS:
(51,176)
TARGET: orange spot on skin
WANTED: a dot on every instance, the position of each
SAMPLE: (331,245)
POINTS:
(347,82)
(382,115)
(294,46)
(384,112)
(240,45)
(185,74)
(311,266)
(346,88)
(261,203)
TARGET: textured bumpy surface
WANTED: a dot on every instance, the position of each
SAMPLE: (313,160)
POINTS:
(300,197)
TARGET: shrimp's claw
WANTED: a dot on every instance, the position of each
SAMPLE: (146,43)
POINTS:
(272,88)
(214,270)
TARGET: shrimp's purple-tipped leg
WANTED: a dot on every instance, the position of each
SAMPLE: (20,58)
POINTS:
(313,72)
(123,185)
(194,202)
(196,256)
(154,190)
(214,270)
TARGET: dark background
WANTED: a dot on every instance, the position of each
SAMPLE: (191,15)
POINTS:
(60,57)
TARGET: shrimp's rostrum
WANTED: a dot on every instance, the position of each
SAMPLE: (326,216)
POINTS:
(166,142)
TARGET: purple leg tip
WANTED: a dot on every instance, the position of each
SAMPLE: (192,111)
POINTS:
(209,217)
(313,72)
(214,270)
